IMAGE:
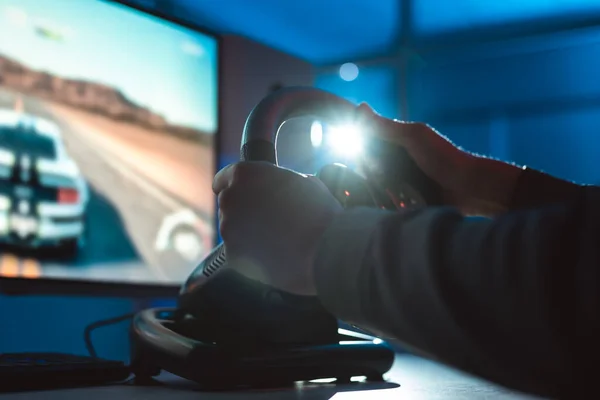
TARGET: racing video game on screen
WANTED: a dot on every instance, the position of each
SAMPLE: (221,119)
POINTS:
(107,124)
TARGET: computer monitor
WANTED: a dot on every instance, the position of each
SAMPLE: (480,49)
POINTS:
(108,123)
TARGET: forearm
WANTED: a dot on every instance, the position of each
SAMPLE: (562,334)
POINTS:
(535,189)
(507,186)
(497,298)
(491,187)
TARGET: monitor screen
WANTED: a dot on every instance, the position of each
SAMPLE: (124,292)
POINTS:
(108,119)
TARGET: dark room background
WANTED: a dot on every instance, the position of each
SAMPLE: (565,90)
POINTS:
(514,85)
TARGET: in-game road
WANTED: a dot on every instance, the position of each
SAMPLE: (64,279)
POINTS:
(128,202)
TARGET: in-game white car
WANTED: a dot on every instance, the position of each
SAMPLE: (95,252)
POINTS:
(43,196)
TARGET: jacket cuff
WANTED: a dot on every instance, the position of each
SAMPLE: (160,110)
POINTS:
(339,261)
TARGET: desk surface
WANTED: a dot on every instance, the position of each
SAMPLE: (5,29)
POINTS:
(411,378)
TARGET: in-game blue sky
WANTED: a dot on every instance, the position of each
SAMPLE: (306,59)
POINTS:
(170,69)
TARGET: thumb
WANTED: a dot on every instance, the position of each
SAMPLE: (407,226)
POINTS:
(374,124)
(365,109)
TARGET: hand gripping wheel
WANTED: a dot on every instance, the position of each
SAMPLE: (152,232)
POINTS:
(228,330)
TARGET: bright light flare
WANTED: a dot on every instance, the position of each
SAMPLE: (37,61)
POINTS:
(316,134)
(345,140)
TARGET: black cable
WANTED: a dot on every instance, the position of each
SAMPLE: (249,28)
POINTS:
(87,333)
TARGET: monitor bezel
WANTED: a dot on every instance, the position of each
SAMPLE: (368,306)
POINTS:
(90,288)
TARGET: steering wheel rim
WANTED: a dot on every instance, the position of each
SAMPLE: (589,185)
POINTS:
(259,137)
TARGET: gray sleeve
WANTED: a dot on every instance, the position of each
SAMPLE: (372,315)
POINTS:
(512,299)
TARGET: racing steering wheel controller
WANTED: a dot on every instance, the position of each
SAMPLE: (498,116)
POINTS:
(231,331)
